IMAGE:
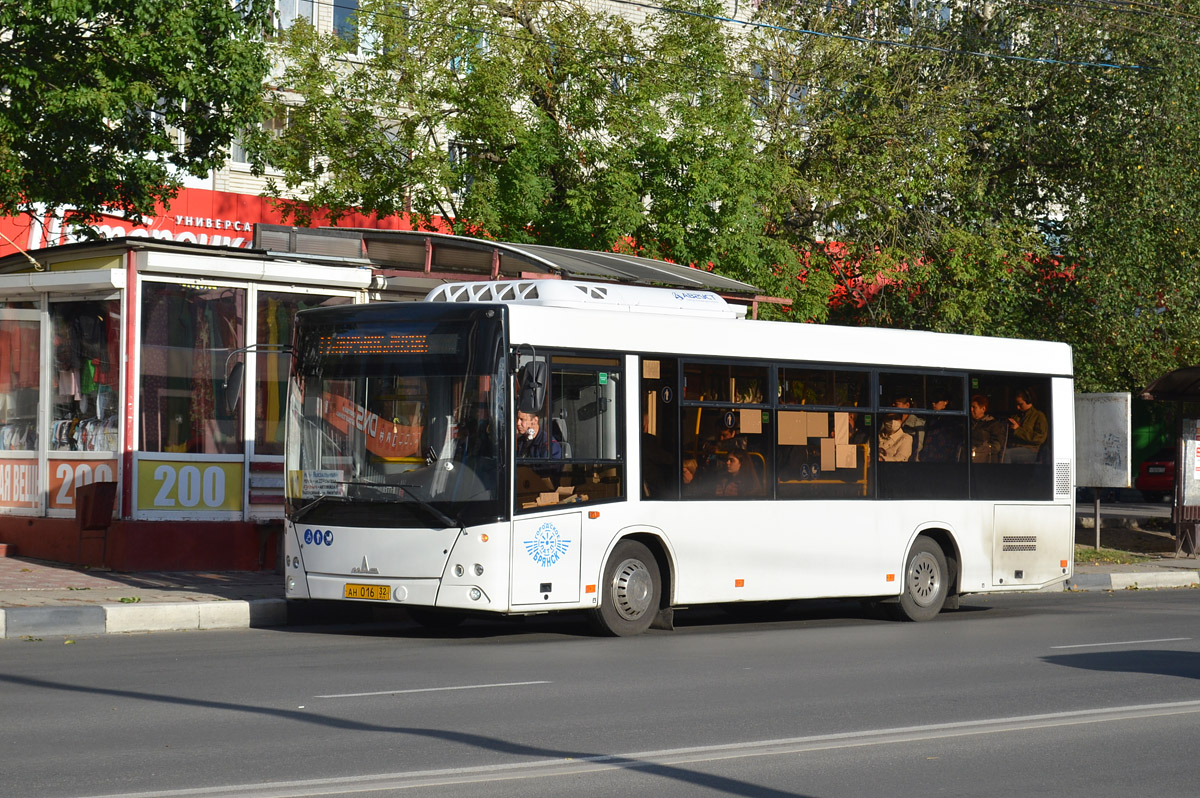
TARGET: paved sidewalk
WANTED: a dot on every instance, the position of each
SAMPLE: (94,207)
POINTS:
(39,598)
(44,599)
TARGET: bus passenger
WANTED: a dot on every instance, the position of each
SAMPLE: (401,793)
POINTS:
(913,425)
(690,482)
(1030,429)
(895,445)
(533,442)
(739,478)
(987,435)
(943,434)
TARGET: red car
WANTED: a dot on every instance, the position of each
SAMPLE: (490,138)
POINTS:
(1156,476)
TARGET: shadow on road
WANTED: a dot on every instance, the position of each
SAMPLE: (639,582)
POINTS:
(1182,664)
(721,784)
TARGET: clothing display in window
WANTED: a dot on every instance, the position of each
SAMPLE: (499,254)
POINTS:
(86,337)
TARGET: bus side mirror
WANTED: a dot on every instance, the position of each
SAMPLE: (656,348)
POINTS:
(531,395)
(233,387)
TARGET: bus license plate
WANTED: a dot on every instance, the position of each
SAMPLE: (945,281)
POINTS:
(370,592)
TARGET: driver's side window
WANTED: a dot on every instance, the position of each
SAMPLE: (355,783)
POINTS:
(568,447)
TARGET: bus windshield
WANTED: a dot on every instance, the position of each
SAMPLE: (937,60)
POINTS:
(396,419)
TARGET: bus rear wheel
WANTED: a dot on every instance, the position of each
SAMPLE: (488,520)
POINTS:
(926,582)
(630,591)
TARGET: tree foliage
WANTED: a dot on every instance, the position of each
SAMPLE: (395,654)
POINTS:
(997,167)
(108,103)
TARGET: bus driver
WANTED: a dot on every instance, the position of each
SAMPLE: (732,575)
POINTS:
(533,442)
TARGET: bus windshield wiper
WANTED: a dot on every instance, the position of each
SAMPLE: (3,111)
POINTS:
(343,497)
(299,514)
(424,504)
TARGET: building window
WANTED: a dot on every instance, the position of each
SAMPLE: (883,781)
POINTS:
(187,334)
(289,11)
(345,20)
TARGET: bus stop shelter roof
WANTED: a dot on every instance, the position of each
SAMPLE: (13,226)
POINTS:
(412,252)
(1180,385)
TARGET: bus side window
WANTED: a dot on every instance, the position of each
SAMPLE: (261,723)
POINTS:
(584,457)
(824,454)
(660,461)
(1011,448)
(922,436)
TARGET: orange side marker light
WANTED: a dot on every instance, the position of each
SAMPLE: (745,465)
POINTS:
(739,582)
(593,514)
(1062,563)
(891,577)
(589,589)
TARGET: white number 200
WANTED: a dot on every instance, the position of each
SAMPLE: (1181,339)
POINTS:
(74,476)
(189,486)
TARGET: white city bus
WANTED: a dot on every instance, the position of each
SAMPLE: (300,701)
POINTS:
(682,455)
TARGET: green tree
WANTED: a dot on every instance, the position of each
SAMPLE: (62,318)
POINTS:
(1001,167)
(996,168)
(108,103)
(540,121)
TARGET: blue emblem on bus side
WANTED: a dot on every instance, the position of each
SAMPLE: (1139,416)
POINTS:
(328,537)
(308,537)
(547,546)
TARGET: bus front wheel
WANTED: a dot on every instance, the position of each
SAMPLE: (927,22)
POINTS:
(630,591)
(926,582)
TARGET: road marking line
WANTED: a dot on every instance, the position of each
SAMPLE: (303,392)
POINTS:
(1126,642)
(432,689)
(576,764)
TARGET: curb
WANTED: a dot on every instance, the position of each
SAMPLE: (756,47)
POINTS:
(162,617)
(1132,581)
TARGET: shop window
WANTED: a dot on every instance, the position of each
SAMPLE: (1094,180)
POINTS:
(187,334)
(568,431)
(20,373)
(85,376)
(1010,443)
(276,314)
(731,449)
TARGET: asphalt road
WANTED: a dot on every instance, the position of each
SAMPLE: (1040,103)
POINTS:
(1067,694)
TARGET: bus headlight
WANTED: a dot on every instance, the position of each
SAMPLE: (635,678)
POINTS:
(475,594)
(478,569)
(458,570)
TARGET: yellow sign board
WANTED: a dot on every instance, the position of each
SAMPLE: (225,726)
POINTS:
(189,486)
